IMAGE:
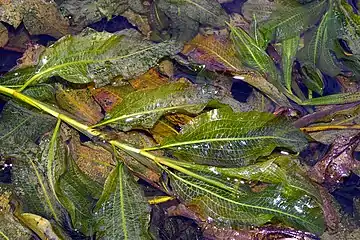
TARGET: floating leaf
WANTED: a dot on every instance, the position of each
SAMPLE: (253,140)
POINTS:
(99,57)
(151,79)
(144,107)
(239,208)
(122,210)
(224,138)
(79,103)
(287,23)
(289,49)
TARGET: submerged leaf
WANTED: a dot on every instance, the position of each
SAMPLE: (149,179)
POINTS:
(289,49)
(239,208)
(224,138)
(122,210)
(144,107)
(3,35)
(318,50)
(290,22)
(187,15)
(80,103)
(39,17)
(99,57)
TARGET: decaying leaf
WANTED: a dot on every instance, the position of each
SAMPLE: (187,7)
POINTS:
(3,35)
(186,15)
(338,163)
(39,16)
(79,103)
(151,79)
(41,226)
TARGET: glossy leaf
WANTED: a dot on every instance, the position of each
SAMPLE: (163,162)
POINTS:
(99,57)
(340,98)
(287,23)
(122,210)
(289,49)
(239,208)
(144,107)
(224,138)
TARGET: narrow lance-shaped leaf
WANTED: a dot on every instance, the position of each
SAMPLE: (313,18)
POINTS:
(255,57)
(237,209)
(122,210)
(290,22)
(99,57)
(224,138)
(319,46)
(289,49)
(144,107)
(340,98)
(78,194)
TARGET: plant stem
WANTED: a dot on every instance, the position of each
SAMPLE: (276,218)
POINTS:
(95,133)
(329,127)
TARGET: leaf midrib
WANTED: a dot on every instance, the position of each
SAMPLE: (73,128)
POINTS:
(242,204)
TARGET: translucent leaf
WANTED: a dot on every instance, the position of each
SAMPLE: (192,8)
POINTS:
(224,138)
(144,107)
(287,23)
(318,50)
(289,49)
(248,208)
(100,56)
(122,210)
(20,128)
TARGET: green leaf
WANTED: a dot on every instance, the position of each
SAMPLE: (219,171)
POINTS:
(99,57)
(20,128)
(144,107)
(17,77)
(78,194)
(318,50)
(122,210)
(239,208)
(340,98)
(224,138)
(287,23)
(313,79)
(289,49)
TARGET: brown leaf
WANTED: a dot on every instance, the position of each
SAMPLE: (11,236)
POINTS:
(79,103)
(4,36)
(30,56)
(140,21)
(163,129)
(151,79)
(216,53)
(93,160)
(39,17)
(338,163)
(108,97)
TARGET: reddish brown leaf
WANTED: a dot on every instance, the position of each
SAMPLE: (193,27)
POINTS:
(338,163)
(149,80)
(216,53)
(79,103)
